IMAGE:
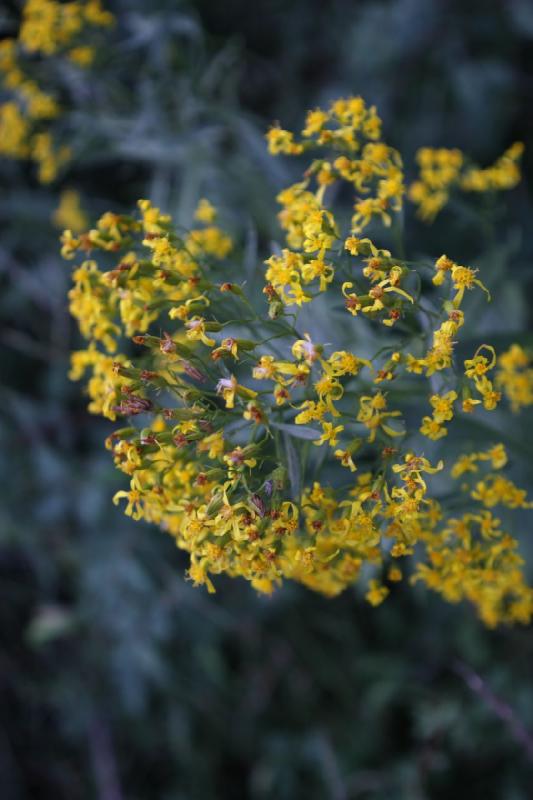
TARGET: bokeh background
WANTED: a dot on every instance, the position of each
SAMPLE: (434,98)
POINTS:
(118,680)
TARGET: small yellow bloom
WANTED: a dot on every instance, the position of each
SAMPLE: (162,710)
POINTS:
(196,331)
(306,350)
(281,141)
(69,213)
(329,434)
(376,593)
(346,459)
(205,212)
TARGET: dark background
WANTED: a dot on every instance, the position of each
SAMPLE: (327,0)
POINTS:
(118,680)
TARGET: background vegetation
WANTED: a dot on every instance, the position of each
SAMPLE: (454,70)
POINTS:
(118,679)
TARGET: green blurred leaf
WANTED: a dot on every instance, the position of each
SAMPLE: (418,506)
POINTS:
(297,431)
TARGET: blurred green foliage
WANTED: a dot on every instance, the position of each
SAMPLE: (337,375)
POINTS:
(118,679)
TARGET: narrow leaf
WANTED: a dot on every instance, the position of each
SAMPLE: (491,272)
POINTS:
(297,431)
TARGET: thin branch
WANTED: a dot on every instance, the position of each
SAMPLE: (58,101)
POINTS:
(499,707)
(104,761)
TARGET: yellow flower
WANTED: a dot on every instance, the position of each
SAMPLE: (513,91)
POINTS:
(490,396)
(432,428)
(515,377)
(465,278)
(133,507)
(213,445)
(69,213)
(281,141)
(394,574)
(357,246)
(328,390)
(376,593)
(352,302)
(152,220)
(496,455)
(83,56)
(373,414)
(477,366)
(209,241)
(229,388)
(504,174)
(205,212)
(443,265)
(239,458)
(439,171)
(346,459)
(342,362)
(469,404)
(306,350)
(411,473)
(443,406)
(228,346)
(315,122)
(317,268)
(329,434)
(496,489)
(310,411)
(384,287)
(196,330)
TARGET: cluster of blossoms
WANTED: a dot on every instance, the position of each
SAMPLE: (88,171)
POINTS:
(443,171)
(514,376)
(48,30)
(269,453)
(69,213)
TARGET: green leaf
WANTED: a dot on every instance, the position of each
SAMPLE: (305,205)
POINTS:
(293,467)
(297,431)
(49,623)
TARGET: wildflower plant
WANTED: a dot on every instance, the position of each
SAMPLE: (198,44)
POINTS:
(443,171)
(269,451)
(51,36)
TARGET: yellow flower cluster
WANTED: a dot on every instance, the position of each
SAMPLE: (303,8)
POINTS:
(48,28)
(351,131)
(433,427)
(443,170)
(272,454)
(472,558)
(514,376)
(440,356)
(69,213)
